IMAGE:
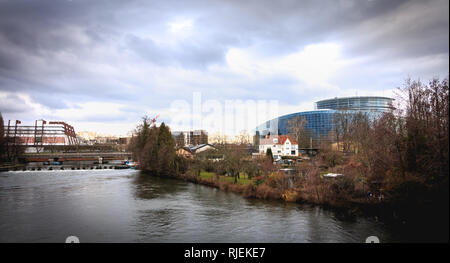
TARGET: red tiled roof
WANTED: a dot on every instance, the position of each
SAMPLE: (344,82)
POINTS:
(281,140)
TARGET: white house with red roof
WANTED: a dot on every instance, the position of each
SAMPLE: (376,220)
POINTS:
(281,145)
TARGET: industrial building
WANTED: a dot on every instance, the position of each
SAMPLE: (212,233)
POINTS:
(40,134)
(320,122)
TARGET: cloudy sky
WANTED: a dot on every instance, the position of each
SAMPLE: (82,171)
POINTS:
(102,65)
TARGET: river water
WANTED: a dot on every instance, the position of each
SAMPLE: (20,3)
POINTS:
(126,206)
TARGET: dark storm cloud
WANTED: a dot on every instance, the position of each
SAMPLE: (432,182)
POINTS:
(38,27)
(415,28)
(191,55)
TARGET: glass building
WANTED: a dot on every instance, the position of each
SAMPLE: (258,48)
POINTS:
(320,122)
(365,104)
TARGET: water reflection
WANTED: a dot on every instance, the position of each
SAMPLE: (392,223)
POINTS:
(149,187)
(127,206)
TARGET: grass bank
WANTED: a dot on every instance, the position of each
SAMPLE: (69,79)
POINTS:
(274,187)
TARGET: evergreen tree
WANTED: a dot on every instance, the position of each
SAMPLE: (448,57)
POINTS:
(166,150)
(269,154)
(154,148)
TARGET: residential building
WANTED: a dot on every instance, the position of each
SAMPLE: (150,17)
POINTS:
(186,138)
(281,145)
(185,152)
(197,137)
(190,151)
(180,138)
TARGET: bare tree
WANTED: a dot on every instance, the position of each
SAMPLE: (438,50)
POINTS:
(342,120)
(427,126)
(243,138)
(408,145)
(234,160)
(218,139)
(296,128)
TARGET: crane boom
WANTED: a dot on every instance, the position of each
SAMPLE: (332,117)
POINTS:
(153,121)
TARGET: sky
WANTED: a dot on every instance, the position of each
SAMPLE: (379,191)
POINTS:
(102,65)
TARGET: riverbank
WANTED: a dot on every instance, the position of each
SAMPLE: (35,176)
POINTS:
(426,220)
(256,188)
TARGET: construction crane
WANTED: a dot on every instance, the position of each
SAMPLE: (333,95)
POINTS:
(153,121)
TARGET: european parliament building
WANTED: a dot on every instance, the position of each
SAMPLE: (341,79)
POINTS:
(320,122)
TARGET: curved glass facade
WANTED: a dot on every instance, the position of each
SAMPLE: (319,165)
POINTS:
(367,104)
(320,122)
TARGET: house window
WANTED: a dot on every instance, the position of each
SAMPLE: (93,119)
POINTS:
(279,151)
(292,152)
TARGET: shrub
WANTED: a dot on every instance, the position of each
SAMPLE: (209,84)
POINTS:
(266,192)
(290,196)
(342,186)
(258,180)
(249,190)
(236,188)
(332,158)
(224,185)
(208,166)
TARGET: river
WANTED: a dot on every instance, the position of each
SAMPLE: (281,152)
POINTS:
(126,206)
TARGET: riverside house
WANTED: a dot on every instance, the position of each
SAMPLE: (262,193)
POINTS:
(190,151)
(281,145)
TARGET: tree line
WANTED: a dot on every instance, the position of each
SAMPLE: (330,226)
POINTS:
(408,143)
(401,155)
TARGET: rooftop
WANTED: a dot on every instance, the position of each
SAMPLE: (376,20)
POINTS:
(276,139)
